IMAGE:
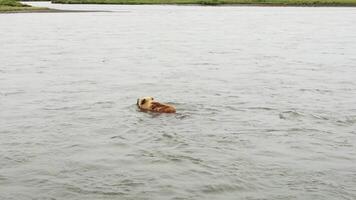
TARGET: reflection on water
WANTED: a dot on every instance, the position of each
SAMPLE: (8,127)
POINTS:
(265,99)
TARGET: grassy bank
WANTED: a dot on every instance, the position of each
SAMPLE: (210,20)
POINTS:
(220,2)
(15,6)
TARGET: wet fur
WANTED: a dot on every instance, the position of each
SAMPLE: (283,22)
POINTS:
(147,104)
(162,108)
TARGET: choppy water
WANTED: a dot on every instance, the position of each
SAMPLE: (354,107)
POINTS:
(266,101)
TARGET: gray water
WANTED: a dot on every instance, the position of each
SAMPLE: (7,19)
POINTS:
(266,100)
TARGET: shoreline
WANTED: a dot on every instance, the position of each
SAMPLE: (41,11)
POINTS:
(218,5)
(49,10)
(259,3)
(31,9)
(14,6)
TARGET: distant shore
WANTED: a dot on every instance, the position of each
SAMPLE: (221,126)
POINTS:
(8,6)
(43,10)
(12,6)
(306,3)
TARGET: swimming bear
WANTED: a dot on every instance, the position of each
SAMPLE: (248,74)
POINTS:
(147,104)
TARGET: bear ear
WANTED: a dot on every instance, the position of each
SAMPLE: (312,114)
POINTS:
(152,98)
(143,101)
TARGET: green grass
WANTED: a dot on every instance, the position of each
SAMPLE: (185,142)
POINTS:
(34,0)
(11,3)
(15,6)
(219,2)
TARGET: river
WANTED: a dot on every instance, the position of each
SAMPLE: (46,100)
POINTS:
(265,98)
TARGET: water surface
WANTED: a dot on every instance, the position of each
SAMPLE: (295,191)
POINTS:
(266,100)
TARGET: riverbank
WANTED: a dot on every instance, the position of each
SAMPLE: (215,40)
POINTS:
(218,2)
(12,6)
(15,6)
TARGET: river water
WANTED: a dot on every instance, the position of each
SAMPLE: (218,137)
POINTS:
(266,100)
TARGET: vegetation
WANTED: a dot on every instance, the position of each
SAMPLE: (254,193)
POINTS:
(220,2)
(15,6)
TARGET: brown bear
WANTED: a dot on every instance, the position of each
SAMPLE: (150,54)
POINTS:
(147,104)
